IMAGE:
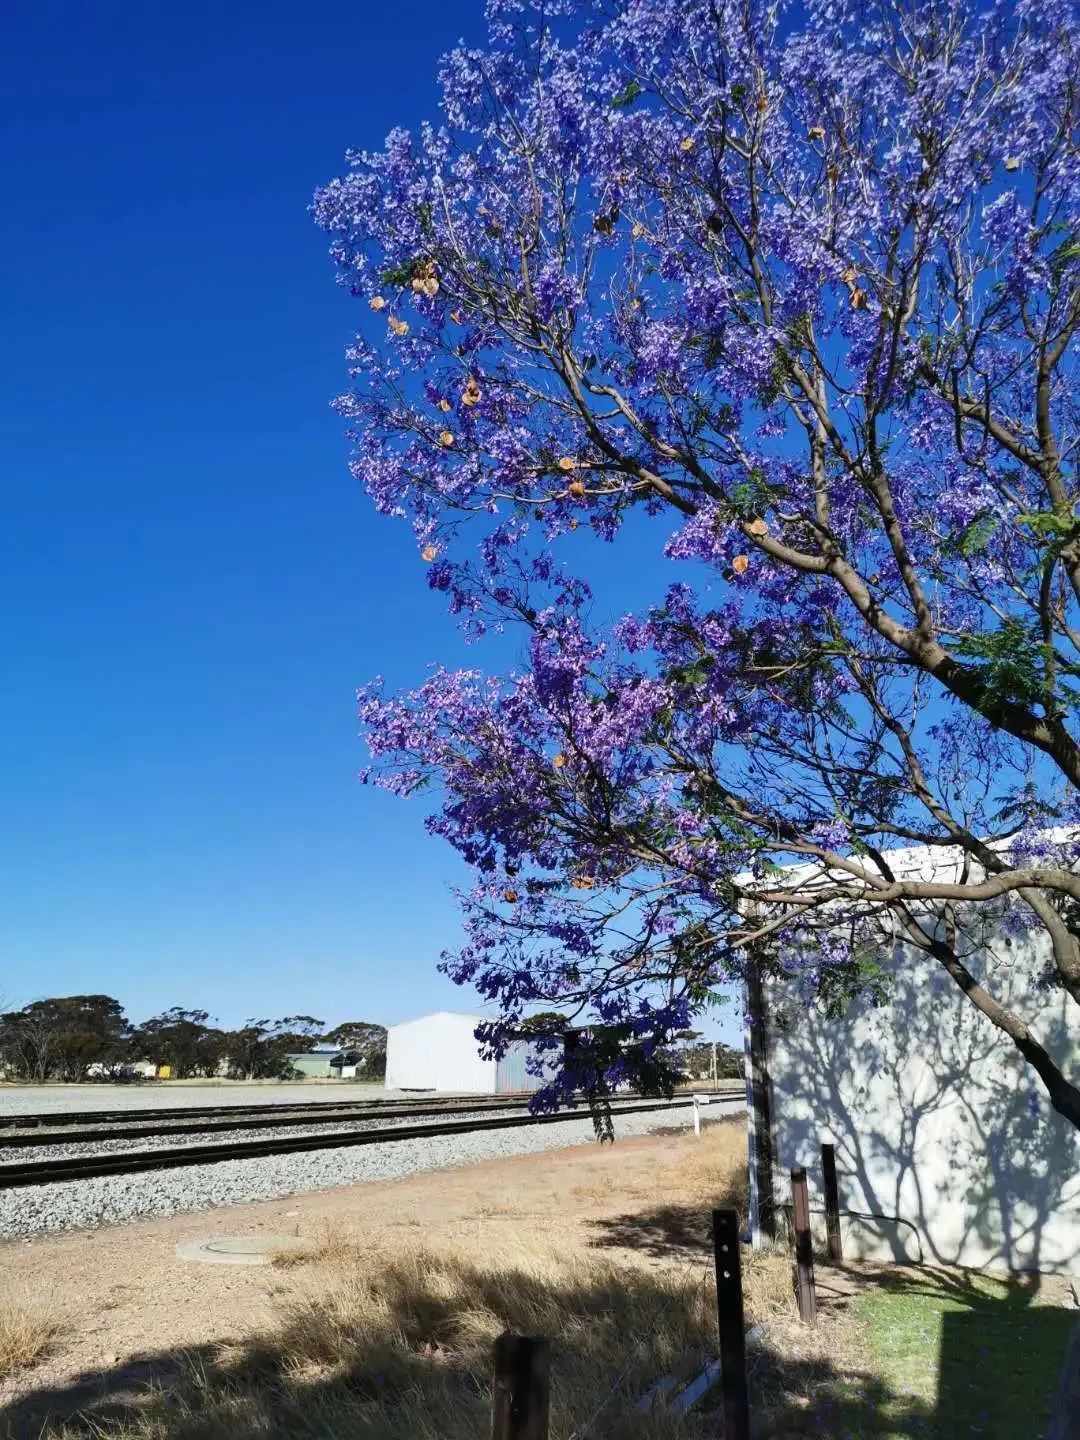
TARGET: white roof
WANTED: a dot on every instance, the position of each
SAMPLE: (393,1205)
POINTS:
(908,862)
(436,1014)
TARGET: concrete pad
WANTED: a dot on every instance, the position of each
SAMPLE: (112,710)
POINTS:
(236,1249)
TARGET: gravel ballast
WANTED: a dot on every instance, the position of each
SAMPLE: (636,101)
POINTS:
(74,1204)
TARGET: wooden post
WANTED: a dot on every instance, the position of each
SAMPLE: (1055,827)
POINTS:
(520,1393)
(729,1316)
(832,1202)
(804,1249)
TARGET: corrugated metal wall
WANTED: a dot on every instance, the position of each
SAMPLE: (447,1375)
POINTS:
(511,1075)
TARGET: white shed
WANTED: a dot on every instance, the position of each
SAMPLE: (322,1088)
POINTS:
(441,1052)
(947,1150)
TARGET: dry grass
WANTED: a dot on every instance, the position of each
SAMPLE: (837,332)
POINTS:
(26,1336)
(398,1347)
(424,1322)
(387,1335)
(390,1337)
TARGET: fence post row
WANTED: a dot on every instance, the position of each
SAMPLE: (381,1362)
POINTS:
(520,1395)
(804,1249)
(729,1316)
(832,1202)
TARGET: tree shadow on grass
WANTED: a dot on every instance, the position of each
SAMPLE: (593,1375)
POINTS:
(205,1394)
(664,1232)
(680,1231)
(805,1397)
(999,1347)
(400,1350)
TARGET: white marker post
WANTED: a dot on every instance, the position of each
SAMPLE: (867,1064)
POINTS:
(699,1100)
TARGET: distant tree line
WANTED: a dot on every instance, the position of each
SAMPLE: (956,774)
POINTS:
(78,1037)
(694,1057)
(686,1057)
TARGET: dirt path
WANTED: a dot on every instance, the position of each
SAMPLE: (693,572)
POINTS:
(121,1293)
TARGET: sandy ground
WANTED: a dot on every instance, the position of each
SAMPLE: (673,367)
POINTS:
(122,1293)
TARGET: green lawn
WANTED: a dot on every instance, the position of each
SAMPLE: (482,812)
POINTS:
(945,1356)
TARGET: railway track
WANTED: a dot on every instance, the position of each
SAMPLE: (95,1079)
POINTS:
(58,1118)
(44,1172)
(276,1117)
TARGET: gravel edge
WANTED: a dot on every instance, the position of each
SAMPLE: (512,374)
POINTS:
(81,1204)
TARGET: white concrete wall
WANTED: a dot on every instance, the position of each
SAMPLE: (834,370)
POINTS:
(947,1148)
(438,1052)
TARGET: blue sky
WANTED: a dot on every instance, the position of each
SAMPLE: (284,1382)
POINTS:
(193,584)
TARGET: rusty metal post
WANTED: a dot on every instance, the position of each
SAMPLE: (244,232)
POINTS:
(832,1202)
(804,1249)
(729,1316)
(521,1390)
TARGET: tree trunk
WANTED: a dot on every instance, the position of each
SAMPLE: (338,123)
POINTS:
(761,1098)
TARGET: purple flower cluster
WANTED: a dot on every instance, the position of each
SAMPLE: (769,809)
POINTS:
(802,291)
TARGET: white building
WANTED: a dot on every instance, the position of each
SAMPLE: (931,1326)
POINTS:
(947,1149)
(441,1052)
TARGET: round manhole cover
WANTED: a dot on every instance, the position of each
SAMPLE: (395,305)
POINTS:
(236,1249)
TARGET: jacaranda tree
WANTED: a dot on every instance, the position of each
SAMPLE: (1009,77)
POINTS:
(798,283)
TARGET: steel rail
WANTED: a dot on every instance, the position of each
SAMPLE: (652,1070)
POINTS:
(44,1172)
(327,1115)
(58,1120)
(89,1117)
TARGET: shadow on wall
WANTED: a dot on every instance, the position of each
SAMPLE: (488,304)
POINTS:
(947,1149)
